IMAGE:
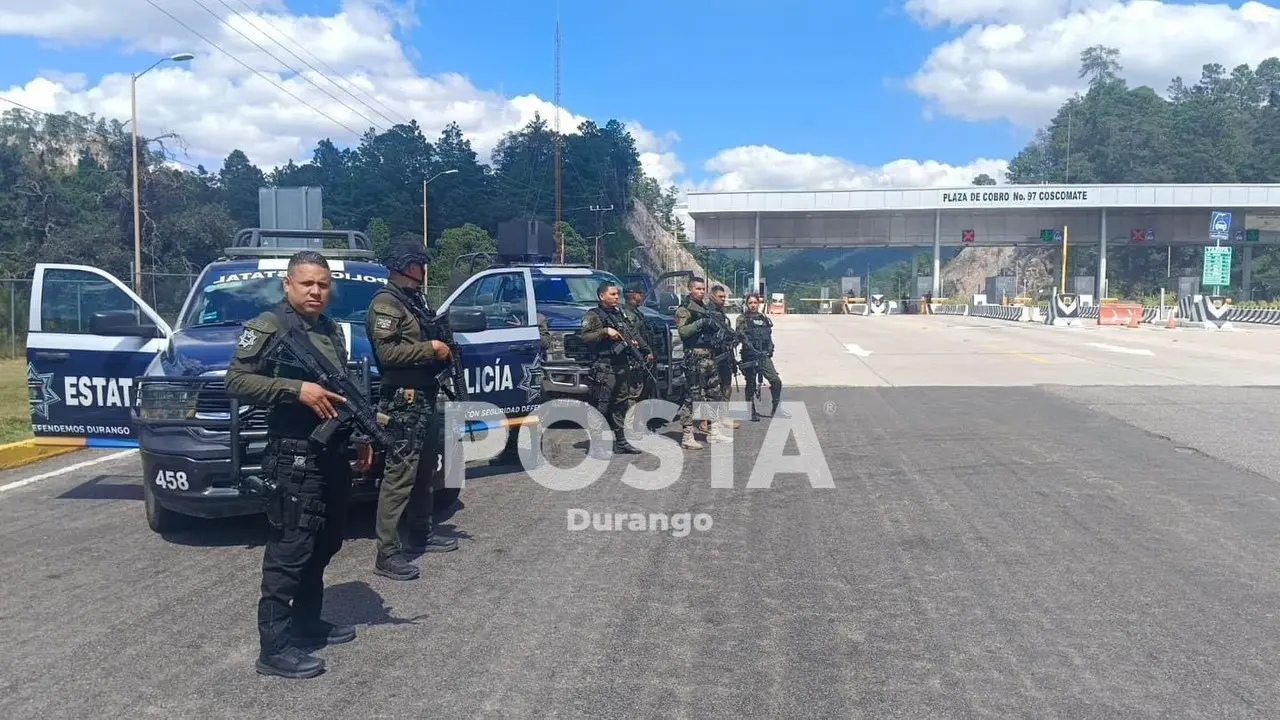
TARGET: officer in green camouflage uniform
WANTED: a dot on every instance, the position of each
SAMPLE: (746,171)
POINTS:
(616,380)
(726,368)
(313,482)
(702,376)
(758,329)
(410,364)
(635,296)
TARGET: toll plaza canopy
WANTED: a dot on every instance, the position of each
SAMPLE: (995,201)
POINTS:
(988,215)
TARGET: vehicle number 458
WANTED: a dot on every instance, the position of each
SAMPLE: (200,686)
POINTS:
(173,480)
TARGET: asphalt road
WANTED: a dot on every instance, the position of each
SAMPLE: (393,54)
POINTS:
(1101,548)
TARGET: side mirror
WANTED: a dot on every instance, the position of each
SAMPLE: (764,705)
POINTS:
(468,320)
(121,323)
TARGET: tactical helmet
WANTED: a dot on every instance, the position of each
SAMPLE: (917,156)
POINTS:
(406,253)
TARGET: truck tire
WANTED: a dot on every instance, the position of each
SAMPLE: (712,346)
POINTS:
(159,518)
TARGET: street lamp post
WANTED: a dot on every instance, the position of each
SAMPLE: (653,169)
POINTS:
(597,238)
(426,242)
(137,203)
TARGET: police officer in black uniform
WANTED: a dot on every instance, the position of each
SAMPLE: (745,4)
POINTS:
(313,483)
(758,349)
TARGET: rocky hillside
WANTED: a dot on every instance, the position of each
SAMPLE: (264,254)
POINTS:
(661,252)
(967,273)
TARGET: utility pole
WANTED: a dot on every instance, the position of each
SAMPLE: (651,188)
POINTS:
(559,151)
(596,241)
(599,211)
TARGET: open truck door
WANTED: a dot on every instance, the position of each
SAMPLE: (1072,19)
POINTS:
(89,337)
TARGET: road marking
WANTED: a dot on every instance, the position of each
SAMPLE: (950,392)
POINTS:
(68,469)
(1118,349)
(855,350)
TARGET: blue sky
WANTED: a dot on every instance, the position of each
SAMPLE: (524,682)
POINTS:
(761,93)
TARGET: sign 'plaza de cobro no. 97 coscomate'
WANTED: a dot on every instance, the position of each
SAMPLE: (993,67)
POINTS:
(1010,197)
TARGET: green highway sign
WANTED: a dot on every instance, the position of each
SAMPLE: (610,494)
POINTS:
(1046,235)
(1217,267)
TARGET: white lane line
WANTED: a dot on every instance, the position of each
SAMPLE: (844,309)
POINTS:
(855,350)
(1118,349)
(64,470)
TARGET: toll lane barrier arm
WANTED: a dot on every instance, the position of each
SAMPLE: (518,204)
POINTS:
(25,452)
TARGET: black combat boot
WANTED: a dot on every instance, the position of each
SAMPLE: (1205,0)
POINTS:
(777,398)
(290,663)
(430,542)
(396,568)
(318,633)
(622,447)
(755,415)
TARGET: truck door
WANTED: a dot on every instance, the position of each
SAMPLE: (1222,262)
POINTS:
(89,336)
(503,362)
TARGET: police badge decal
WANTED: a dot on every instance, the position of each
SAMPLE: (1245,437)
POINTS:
(247,338)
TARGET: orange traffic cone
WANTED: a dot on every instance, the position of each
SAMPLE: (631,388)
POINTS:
(1173,319)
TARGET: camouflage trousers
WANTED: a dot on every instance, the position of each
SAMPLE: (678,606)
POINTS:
(615,390)
(407,489)
(702,383)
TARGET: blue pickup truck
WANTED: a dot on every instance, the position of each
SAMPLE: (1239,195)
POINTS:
(104,369)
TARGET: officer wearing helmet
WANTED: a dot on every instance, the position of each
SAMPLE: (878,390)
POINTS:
(410,363)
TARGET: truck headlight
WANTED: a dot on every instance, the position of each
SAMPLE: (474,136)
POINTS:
(159,401)
(556,351)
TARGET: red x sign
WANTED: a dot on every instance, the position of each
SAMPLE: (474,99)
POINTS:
(1136,236)
(966,236)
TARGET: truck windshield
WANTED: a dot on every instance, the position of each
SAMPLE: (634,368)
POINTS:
(570,289)
(233,298)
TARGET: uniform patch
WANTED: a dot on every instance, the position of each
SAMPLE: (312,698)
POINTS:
(382,323)
(247,338)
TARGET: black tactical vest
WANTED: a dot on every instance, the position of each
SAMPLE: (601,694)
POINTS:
(759,332)
(293,419)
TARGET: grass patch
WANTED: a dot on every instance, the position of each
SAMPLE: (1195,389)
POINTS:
(15,412)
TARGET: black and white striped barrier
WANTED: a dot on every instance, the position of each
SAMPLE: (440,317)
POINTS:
(1213,310)
(878,305)
(1002,312)
(1064,311)
(1261,316)
(950,309)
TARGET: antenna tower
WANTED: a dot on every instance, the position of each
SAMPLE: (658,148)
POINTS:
(559,177)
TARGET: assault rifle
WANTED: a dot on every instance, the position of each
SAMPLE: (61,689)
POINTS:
(436,327)
(627,347)
(356,413)
(723,334)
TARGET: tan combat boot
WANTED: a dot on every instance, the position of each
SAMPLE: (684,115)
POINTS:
(716,435)
(687,441)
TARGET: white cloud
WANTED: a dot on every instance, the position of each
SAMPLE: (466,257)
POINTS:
(759,167)
(1024,61)
(216,104)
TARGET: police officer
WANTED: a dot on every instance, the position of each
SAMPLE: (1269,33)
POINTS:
(616,381)
(409,362)
(725,369)
(758,329)
(702,376)
(314,482)
(635,296)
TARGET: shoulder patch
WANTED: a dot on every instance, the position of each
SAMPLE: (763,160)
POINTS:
(253,337)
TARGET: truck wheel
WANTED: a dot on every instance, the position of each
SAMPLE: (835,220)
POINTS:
(159,518)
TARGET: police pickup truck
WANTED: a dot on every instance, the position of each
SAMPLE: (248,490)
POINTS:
(104,369)
(562,294)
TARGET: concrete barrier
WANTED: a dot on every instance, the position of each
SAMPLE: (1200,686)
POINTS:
(25,452)
(1002,312)
(1064,311)
(950,309)
(1262,316)
(1211,312)
(878,305)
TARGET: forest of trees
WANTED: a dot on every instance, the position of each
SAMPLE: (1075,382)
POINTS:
(66,195)
(1223,129)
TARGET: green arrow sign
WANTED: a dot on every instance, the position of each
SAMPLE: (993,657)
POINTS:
(1046,235)
(1217,267)
(1251,236)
